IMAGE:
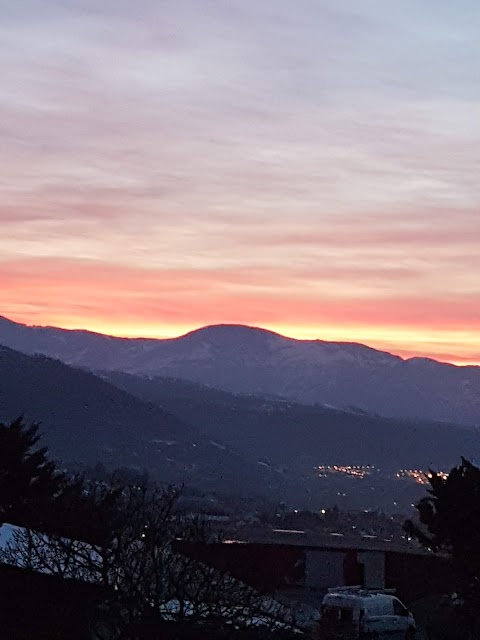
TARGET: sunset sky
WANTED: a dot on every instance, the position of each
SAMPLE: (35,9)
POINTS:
(309,166)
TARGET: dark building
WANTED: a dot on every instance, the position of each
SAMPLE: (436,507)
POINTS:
(280,567)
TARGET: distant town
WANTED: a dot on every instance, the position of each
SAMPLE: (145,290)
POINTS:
(362,471)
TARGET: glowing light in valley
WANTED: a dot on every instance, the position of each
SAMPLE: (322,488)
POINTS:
(419,476)
(354,471)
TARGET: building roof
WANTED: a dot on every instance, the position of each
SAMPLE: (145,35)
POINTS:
(327,542)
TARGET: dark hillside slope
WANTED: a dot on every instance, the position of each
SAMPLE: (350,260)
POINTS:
(301,436)
(85,419)
(244,359)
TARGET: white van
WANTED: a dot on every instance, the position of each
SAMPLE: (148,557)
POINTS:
(353,613)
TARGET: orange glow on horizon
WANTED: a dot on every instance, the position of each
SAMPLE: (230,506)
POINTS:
(406,343)
(134,302)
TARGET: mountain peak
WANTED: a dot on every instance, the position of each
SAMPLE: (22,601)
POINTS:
(232,331)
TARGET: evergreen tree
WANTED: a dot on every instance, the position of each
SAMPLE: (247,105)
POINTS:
(29,480)
(450,524)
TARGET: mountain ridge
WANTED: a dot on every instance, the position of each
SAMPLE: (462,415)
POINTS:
(238,358)
(328,434)
(240,327)
(85,419)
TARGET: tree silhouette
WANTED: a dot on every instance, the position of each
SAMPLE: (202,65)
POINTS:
(129,549)
(28,479)
(450,524)
(122,538)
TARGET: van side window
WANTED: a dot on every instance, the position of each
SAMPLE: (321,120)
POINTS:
(330,613)
(399,609)
(346,615)
(342,614)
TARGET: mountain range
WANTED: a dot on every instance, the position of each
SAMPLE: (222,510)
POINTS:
(243,359)
(236,431)
(85,420)
(298,437)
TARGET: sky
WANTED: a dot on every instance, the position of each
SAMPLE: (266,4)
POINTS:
(311,167)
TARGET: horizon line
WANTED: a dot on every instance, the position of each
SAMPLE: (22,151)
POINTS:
(182,334)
